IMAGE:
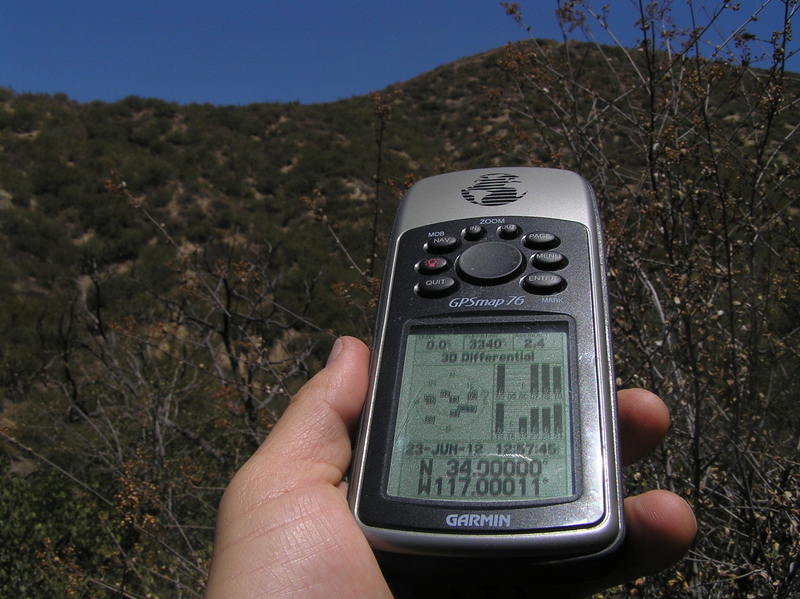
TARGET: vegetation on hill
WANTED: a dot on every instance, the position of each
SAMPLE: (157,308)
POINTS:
(695,163)
(172,274)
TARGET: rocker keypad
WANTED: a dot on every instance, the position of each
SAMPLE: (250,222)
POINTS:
(490,263)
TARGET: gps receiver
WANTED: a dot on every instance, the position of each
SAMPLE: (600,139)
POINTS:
(488,440)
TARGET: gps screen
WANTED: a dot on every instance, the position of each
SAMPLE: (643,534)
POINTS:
(484,416)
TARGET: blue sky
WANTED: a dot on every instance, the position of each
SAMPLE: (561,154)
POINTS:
(238,52)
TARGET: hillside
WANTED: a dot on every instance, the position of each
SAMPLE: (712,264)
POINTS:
(172,274)
(214,174)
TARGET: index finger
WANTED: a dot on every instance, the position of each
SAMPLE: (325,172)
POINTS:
(643,422)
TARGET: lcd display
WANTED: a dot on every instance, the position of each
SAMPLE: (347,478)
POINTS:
(484,416)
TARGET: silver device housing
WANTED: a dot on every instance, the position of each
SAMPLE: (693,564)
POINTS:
(591,523)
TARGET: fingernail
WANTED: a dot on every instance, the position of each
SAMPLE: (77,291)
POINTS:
(335,351)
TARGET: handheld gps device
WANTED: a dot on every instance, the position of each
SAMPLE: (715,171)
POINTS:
(488,438)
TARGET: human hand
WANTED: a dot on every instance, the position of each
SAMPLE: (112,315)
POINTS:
(284,528)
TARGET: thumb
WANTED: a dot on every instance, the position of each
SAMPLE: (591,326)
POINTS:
(311,442)
(284,528)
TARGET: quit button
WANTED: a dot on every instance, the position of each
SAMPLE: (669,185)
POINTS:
(435,287)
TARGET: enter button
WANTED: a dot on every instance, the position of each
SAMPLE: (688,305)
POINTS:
(544,283)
